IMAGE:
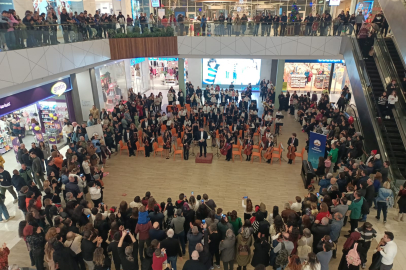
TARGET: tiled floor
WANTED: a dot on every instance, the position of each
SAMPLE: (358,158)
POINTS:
(225,182)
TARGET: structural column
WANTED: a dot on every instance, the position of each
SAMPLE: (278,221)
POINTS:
(279,81)
(181,75)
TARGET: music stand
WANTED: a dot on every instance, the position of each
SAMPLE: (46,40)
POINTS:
(217,147)
(283,149)
(192,145)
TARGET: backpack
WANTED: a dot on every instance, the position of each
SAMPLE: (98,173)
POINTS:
(243,249)
(353,256)
(283,256)
(364,207)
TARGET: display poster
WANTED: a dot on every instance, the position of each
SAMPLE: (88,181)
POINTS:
(228,70)
(95,129)
(155,3)
(365,7)
(317,147)
(58,126)
(161,12)
(16,144)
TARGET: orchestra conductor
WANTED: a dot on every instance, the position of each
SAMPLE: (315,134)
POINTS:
(201,137)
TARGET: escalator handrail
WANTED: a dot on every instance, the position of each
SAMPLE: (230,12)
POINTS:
(365,82)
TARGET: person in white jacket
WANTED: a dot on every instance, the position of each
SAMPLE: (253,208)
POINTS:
(95,193)
(67,131)
(392,99)
(86,168)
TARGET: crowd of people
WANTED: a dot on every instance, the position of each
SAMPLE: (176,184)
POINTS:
(36,29)
(88,233)
(69,226)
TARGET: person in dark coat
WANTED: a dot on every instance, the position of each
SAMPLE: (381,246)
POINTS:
(194,264)
(146,263)
(113,248)
(17,181)
(64,257)
(204,253)
(370,192)
(194,237)
(261,251)
(319,230)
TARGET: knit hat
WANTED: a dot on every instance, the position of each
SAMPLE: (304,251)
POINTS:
(378,156)
(374,152)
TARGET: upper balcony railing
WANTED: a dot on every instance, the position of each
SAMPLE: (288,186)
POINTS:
(37,35)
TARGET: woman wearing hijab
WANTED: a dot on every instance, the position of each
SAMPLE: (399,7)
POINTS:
(244,242)
(348,245)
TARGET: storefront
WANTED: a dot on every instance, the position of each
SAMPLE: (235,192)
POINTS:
(164,71)
(317,76)
(39,114)
(112,83)
(42,6)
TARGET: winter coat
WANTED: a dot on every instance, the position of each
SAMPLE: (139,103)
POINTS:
(227,249)
(261,253)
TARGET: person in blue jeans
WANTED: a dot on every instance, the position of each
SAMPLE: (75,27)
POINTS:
(385,197)
(3,210)
(172,248)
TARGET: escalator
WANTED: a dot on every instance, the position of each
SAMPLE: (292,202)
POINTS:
(397,61)
(391,137)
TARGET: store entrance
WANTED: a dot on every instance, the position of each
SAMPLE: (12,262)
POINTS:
(164,73)
(45,118)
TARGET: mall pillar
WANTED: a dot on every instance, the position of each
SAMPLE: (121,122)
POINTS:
(181,75)
(93,83)
(76,99)
(279,81)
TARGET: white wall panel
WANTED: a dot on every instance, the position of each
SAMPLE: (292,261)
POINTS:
(34,63)
(85,93)
(195,71)
(279,47)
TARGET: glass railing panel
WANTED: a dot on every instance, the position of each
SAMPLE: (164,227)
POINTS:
(37,35)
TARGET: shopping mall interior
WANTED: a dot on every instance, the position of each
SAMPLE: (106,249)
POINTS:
(280,134)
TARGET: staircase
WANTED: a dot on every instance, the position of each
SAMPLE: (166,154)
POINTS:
(391,135)
(397,61)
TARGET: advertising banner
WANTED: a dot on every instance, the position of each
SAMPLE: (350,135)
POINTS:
(16,144)
(317,147)
(228,70)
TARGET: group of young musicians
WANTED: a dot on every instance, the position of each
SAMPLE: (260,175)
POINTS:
(229,123)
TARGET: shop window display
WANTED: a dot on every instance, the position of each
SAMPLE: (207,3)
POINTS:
(113,83)
(164,71)
(42,6)
(304,77)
